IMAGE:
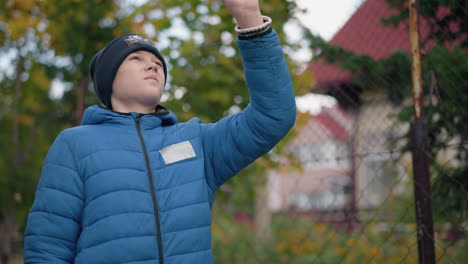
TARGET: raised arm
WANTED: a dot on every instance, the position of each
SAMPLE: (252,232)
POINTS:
(237,140)
(54,221)
(246,12)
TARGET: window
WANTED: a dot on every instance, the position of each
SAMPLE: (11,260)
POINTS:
(333,197)
(324,154)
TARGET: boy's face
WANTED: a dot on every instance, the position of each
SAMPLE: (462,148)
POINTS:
(139,80)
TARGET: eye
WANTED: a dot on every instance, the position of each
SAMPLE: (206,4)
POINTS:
(134,57)
(159,64)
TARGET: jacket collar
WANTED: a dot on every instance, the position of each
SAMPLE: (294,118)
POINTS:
(97,114)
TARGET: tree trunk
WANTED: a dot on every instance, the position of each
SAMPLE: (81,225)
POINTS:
(80,100)
(351,210)
(16,103)
(7,227)
(7,220)
(262,215)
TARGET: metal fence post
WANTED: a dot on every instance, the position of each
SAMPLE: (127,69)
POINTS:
(420,151)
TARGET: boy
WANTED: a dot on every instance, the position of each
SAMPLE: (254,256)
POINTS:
(131,185)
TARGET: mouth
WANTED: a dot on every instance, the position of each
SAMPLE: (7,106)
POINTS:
(151,78)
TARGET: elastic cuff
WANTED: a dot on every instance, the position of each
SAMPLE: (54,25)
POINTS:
(254,32)
(266,23)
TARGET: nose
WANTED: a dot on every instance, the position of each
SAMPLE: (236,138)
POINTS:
(152,66)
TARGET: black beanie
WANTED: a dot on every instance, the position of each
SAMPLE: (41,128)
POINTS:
(106,62)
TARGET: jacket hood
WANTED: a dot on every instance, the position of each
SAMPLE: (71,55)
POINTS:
(97,114)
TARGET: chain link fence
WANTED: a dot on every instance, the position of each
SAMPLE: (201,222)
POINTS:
(346,194)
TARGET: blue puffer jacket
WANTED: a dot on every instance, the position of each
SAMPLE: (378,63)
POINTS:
(138,188)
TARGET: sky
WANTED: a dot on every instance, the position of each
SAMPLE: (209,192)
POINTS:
(325,17)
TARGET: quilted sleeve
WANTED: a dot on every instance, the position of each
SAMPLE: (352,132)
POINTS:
(237,140)
(53,225)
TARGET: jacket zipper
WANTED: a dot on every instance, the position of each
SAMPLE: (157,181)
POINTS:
(153,194)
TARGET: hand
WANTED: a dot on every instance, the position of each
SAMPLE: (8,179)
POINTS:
(246,12)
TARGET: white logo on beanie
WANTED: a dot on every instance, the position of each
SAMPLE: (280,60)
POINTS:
(134,39)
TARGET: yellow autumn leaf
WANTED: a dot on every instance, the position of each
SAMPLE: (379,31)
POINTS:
(31,103)
(25,119)
(40,79)
(24,4)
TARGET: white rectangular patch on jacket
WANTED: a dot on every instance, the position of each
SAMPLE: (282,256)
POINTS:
(177,152)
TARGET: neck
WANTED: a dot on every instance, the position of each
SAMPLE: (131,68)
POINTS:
(127,108)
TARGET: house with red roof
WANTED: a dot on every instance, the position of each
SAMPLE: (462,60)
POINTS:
(347,152)
(321,148)
(364,131)
(374,131)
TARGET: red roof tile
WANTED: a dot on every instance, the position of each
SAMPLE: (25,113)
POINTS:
(365,34)
(336,130)
(330,124)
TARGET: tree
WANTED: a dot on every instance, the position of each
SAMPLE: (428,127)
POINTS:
(444,65)
(22,103)
(446,19)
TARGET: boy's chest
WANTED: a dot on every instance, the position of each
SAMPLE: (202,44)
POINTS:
(123,161)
